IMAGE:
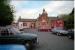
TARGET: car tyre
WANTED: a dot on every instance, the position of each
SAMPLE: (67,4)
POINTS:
(58,34)
(69,37)
(29,45)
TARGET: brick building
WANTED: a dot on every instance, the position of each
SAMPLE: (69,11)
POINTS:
(26,23)
(42,22)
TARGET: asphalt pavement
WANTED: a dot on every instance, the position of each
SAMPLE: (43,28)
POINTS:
(49,41)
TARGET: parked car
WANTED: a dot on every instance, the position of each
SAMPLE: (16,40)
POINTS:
(12,35)
(59,32)
(70,34)
(54,31)
(12,47)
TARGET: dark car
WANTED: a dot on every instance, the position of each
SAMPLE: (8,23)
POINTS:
(12,35)
(12,47)
(70,34)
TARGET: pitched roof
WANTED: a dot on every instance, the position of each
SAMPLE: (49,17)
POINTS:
(52,18)
(28,20)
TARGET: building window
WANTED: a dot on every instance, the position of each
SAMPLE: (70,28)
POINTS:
(24,24)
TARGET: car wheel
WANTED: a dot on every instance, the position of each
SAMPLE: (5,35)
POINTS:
(29,45)
(69,37)
(58,34)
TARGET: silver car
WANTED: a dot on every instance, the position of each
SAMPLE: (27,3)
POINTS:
(62,32)
(59,32)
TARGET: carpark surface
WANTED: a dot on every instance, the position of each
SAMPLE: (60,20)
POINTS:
(49,41)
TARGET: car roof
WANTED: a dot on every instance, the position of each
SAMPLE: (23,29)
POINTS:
(7,30)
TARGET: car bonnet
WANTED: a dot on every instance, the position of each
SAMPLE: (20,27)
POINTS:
(29,34)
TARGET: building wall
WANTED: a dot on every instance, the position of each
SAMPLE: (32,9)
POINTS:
(20,25)
(26,24)
(37,24)
(57,24)
(43,22)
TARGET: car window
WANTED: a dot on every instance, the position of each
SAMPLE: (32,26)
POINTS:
(15,31)
(10,32)
(4,32)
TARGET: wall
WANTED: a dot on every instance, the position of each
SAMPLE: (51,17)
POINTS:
(57,24)
(20,25)
(28,25)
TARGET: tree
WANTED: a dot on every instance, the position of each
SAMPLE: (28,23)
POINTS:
(6,13)
(69,20)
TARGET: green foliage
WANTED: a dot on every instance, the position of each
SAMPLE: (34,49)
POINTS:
(6,13)
(69,20)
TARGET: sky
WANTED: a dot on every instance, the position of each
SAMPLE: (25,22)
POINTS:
(32,9)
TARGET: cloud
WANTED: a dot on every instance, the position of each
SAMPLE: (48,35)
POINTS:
(59,7)
(53,8)
(18,4)
(27,13)
(52,5)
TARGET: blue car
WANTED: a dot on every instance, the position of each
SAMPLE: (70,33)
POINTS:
(12,47)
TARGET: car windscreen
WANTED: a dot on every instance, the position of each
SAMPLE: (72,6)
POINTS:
(15,31)
(4,32)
